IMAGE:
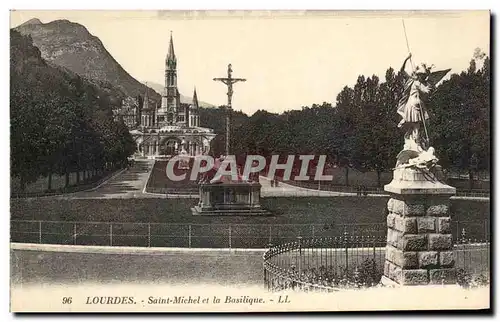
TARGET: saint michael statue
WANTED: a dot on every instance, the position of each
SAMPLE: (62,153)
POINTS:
(413,111)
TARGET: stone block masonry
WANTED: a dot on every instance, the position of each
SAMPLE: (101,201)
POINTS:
(419,241)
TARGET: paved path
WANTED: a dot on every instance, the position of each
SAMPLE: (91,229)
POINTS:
(129,183)
(287,190)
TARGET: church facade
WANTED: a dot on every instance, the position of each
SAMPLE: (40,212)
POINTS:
(171,128)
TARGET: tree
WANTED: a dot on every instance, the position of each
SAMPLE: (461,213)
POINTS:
(60,122)
(459,124)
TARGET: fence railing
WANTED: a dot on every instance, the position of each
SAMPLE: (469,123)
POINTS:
(361,190)
(207,235)
(176,235)
(365,191)
(327,264)
(321,257)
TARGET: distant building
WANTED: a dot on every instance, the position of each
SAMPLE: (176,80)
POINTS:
(170,129)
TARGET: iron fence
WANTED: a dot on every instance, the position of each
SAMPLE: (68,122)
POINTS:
(472,255)
(320,257)
(176,235)
(327,264)
(319,188)
(208,235)
(307,192)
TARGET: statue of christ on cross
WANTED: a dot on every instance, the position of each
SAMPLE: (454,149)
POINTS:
(229,81)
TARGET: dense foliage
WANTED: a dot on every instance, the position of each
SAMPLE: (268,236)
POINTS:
(360,131)
(215,118)
(60,122)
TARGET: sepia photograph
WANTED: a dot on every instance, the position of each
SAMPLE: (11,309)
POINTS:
(250,160)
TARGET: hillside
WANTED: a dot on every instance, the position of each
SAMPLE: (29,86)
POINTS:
(59,122)
(71,46)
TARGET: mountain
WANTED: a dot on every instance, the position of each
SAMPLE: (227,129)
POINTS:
(71,46)
(184,99)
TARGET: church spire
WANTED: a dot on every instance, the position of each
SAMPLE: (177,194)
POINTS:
(145,104)
(195,98)
(194,116)
(171,59)
(171,99)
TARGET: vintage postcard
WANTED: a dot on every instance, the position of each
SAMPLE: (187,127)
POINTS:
(249,161)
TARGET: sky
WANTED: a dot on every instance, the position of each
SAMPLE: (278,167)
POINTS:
(290,59)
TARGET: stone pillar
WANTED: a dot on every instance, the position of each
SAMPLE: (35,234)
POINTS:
(419,242)
(205,201)
(255,191)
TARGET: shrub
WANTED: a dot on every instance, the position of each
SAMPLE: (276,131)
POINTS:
(468,280)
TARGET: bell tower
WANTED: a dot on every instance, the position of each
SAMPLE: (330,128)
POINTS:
(194,117)
(170,96)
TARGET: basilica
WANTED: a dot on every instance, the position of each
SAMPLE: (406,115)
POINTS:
(171,128)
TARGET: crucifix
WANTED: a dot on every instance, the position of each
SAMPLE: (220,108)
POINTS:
(229,81)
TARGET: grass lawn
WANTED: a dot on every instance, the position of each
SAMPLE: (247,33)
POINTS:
(287,210)
(158,181)
(173,223)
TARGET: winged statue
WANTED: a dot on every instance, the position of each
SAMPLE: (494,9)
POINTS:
(413,111)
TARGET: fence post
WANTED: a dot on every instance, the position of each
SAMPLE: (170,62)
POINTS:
(312,231)
(265,277)
(40,232)
(346,250)
(74,234)
(486,238)
(374,253)
(189,236)
(270,234)
(374,246)
(149,234)
(110,234)
(300,255)
(229,230)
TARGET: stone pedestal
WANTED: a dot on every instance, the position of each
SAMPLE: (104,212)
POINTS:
(419,242)
(237,198)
